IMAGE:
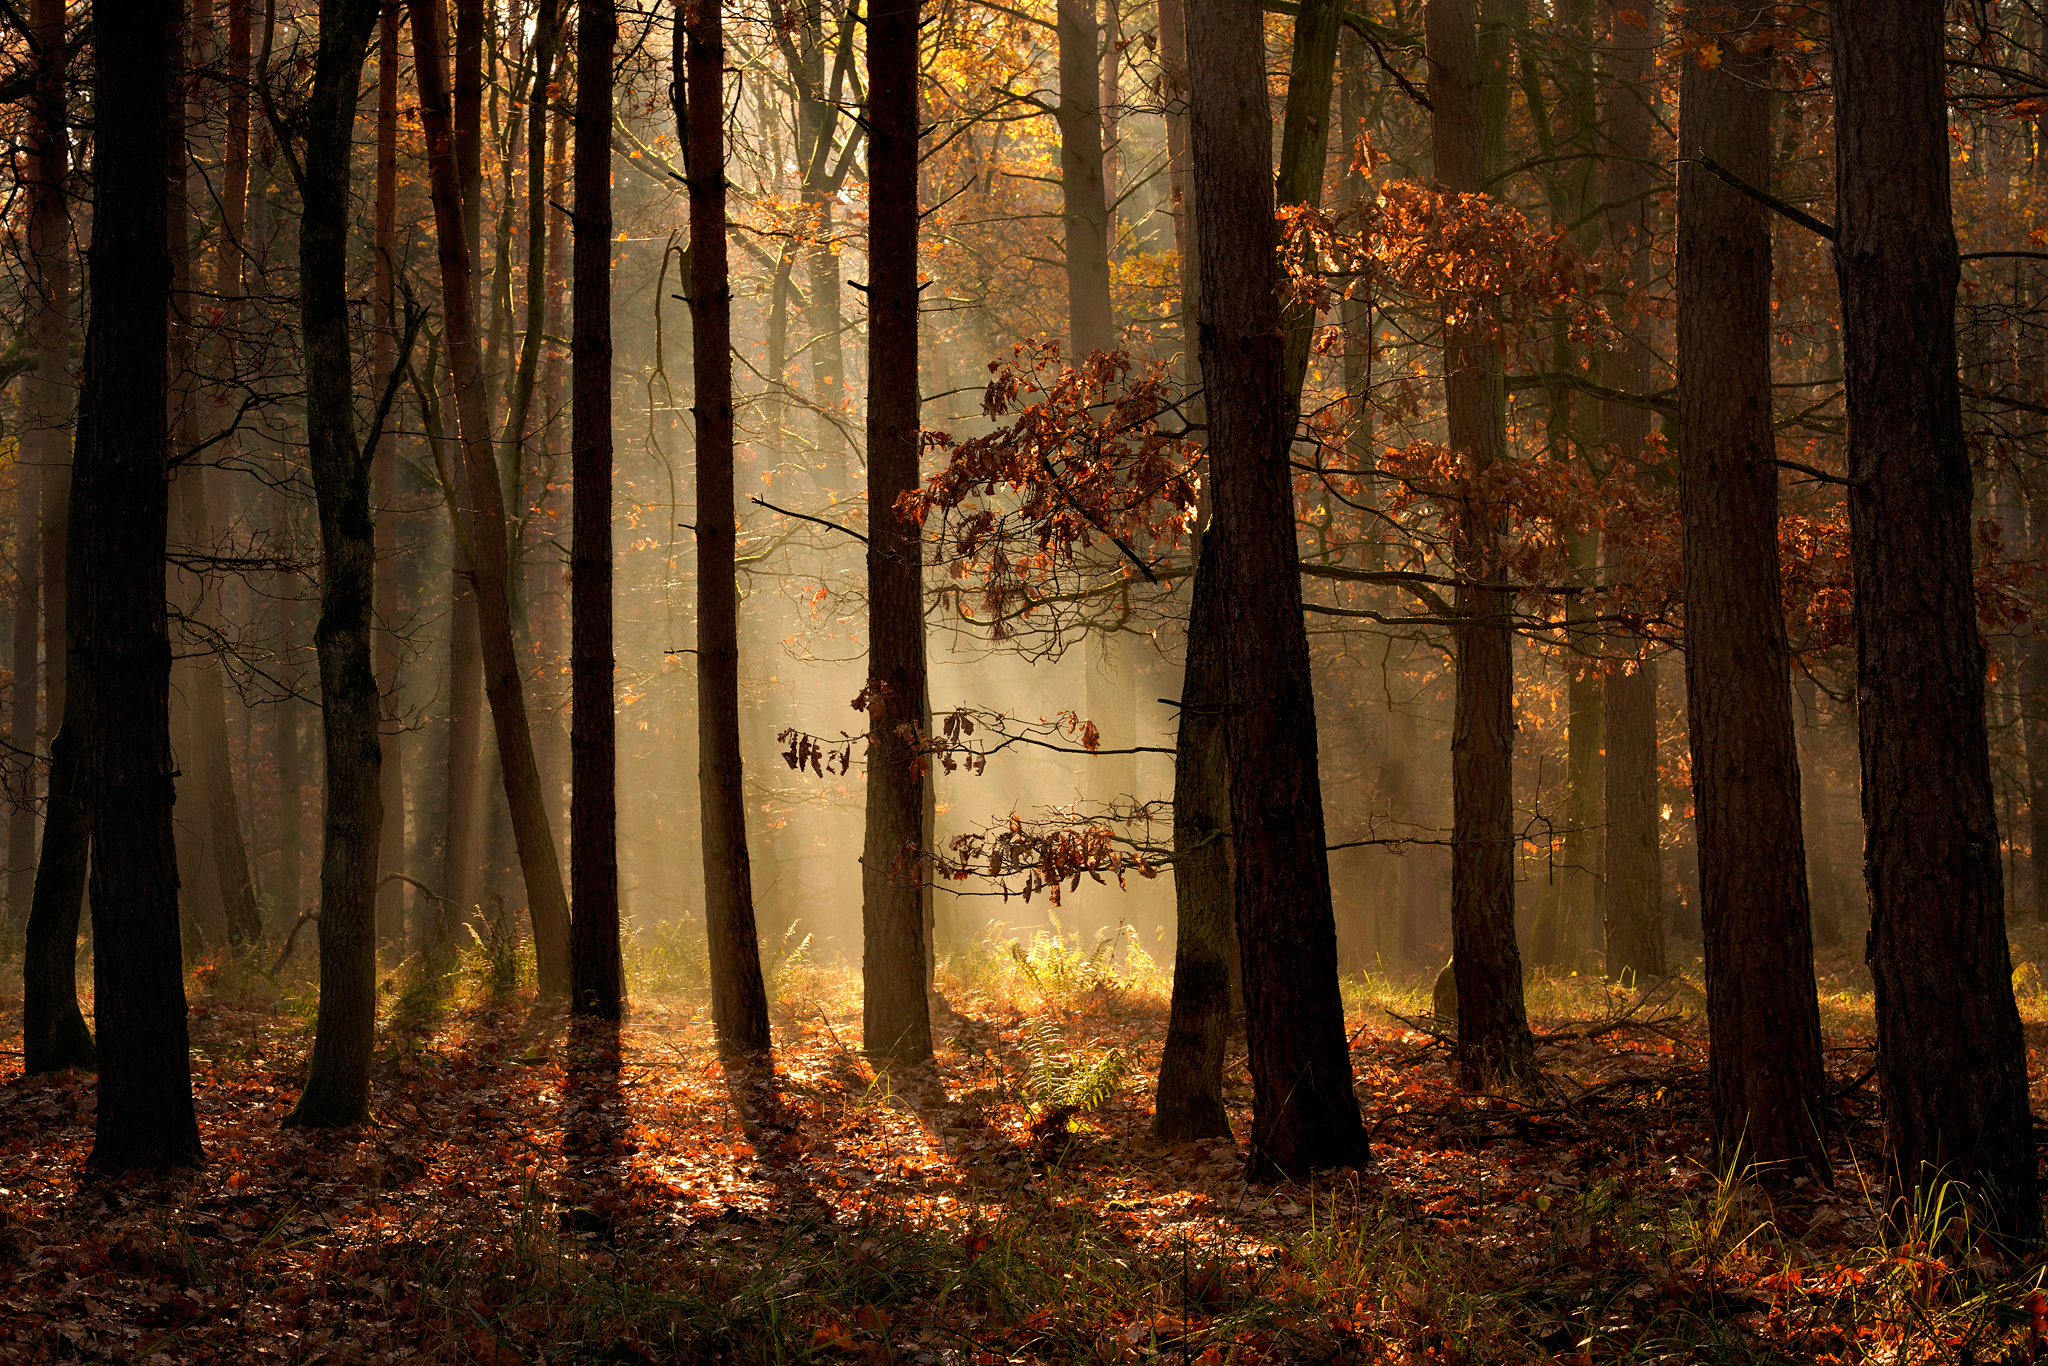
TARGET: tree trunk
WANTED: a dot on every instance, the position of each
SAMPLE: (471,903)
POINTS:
(1304,1113)
(1764,1076)
(1952,1064)
(1189,1104)
(1083,210)
(338,1078)
(120,509)
(1634,913)
(2033,685)
(54,1032)
(1495,1049)
(739,1002)
(1304,153)
(392,894)
(538,862)
(597,973)
(1173,99)
(896,1018)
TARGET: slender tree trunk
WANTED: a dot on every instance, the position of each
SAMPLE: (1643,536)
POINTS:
(1304,1113)
(739,1002)
(391,892)
(121,507)
(1952,1064)
(1764,1076)
(598,975)
(2033,685)
(896,1016)
(538,861)
(1173,99)
(338,1078)
(23,706)
(1084,211)
(1634,912)
(1304,153)
(1495,1049)
(54,1033)
(1189,1103)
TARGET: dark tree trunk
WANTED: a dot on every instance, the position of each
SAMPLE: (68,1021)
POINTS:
(1764,1076)
(54,1033)
(1634,911)
(1084,211)
(1304,154)
(739,1002)
(338,1079)
(1304,1113)
(538,861)
(2033,684)
(896,1017)
(1952,1064)
(598,985)
(1495,1049)
(1189,1103)
(120,513)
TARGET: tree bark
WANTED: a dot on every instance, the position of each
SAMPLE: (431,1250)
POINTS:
(1304,1113)
(1304,153)
(597,972)
(1083,208)
(1634,912)
(1189,1103)
(1495,1049)
(120,512)
(538,862)
(1764,1074)
(392,894)
(1952,1063)
(896,1018)
(338,1078)
(739,1001)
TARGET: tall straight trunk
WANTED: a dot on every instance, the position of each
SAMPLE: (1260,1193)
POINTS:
(338,1078)
(1495,1049)
(1189,1103)
(391,892)
(1634,910)
(895,1016)
(467,111)
(286,714)
(23,689)
(54,1032)
(1304,1113)
(1952,1063)
(597,974)
(1091,318)
(2033,684)
(1764,1073)
(1173,99)
(1304,153)
(538,862)
(739,1002)
(120,513)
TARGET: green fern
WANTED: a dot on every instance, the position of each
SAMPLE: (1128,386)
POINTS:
(1058,1080)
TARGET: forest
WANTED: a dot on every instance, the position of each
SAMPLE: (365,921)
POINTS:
(1367,681)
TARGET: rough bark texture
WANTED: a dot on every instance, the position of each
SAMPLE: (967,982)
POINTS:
(1952,1064)
(739,1001)
(120,513)
(598,975)
(1083,210)
(896,1017)
(1189,1103)
(1634,910)
(1495,1049)
(1304,1113)
(538,861)
(1764,1075)
(338,1079)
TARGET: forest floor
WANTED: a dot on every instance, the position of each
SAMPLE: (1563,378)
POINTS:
(534,1192)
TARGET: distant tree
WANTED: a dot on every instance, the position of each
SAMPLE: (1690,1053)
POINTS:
(1495,1048)
(1764,1071)
(1952,1061)
(120,513)
(896,1016)
(739,1001)
(351,708)
(1305,1114)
